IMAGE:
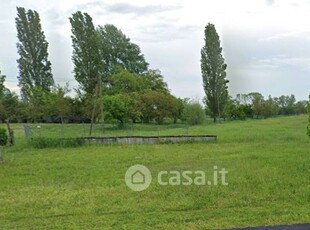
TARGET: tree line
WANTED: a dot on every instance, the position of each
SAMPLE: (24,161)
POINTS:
(116,84)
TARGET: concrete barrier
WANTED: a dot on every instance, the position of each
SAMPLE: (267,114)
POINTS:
(150,139)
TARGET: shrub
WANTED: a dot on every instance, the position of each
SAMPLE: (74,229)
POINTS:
(3,137)
(43,142)
(193,113)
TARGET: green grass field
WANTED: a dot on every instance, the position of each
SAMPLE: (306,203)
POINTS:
(83,188)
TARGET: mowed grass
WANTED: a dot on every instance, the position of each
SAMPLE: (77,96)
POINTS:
(83,188)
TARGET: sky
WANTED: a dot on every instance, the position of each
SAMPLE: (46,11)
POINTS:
(266,43)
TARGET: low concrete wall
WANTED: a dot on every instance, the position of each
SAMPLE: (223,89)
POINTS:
(150,139)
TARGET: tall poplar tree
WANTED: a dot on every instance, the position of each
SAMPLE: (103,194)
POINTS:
(86,58)
(213,69)
(35,72)
(88,66)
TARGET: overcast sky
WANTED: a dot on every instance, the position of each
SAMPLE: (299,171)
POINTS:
(266,43)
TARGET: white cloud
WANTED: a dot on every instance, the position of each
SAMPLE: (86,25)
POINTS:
(265,40)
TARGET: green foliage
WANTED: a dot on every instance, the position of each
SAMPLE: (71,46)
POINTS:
(34,66)
(125,82)
(213,69)
(2,87)
(157,106)
(287,104)
(193,113)
(154,80)
(57,103)
(9,103)
(86,57)
(3,137)
(45,142)
(116,107)
(118,51)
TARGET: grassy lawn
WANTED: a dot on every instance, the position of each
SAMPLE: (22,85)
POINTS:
(83,188)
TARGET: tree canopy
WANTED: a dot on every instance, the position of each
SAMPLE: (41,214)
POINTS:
(88,67)
(33,63)
(117,50)
(213,69)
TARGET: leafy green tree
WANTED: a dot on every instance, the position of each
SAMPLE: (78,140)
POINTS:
(177,108)
(57,103)
(193,113)
(119,107)
(257,104)
(238,108)
(270,107)
(2,80)
(33,63)
(88,65)
(154,80)
(301,107)
(118,51)
(86,58)
(34,109)
(9,106)
(287,104)
(9,103)
(213,69)
(3,138)
(157,106)
(124,82)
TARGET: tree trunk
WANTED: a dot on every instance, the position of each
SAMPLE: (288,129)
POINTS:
(1,157)
(62,126)
(11,133)
(93,113)
(101,104)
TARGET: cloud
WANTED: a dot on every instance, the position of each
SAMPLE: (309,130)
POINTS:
(125,8)
(55,18)
(286,35)
(166,32)
(302,63)
(270,2)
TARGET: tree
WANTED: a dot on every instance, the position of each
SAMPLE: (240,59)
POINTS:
(301,107)
(154,80)
(57,103)
(88,66)
(157,106)
(118,51)
(193,113)
(33,63)
(287,104)
(2,80)
(3,141)
(124,82)
(213,69)
(86,58)
(257,104)
(9,104)
(119,107)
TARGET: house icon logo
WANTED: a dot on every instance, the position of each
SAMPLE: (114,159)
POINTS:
(138,178)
